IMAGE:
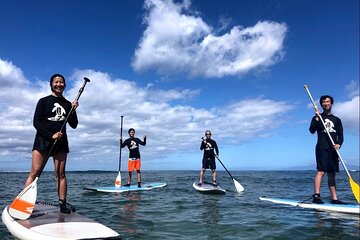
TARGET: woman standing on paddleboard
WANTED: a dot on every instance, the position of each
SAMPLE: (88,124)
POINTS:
(50,114)
(327,160)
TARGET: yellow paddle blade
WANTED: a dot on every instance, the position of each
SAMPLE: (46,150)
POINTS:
(355,189)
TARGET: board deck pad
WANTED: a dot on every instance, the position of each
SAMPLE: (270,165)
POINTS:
(46,222)
(340,208)
(143,187)
(207,187)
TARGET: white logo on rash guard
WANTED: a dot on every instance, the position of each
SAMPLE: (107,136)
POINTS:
(59,113)
(208,146)
(329,126)
(133,144)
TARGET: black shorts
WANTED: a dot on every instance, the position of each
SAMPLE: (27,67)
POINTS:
(327,160)
(208,163)
(43,145)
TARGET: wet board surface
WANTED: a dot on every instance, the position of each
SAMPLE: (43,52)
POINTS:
(144,187)
(47,222)
(341,208)
(207,187)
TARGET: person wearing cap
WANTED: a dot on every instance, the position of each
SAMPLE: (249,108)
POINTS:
(50,114)
(134,161)
(208,161)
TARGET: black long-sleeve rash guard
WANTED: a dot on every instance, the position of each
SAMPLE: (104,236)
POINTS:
(209,146)
(50,114)
(133,145)
(335,128)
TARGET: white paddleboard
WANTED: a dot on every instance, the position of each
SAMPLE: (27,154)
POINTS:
(47,223)
(206,187)
(341,208)
(143,187)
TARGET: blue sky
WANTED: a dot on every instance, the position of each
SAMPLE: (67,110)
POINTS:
(175,69)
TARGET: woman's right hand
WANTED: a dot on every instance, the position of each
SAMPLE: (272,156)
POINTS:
(57,135)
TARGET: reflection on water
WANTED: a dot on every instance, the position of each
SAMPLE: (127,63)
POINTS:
(179,212)
(130,207)
(211,215)
(329,225)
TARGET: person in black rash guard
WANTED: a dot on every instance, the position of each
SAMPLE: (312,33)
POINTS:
(50,114)
(327,160)
(208,161)
(134,161)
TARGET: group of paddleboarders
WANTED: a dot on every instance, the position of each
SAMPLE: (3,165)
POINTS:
(52,112)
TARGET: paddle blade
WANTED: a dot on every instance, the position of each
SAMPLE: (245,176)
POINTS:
(238,186)
(118,180)
(355,189)
(23,205)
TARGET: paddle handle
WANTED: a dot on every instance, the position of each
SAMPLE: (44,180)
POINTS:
(86,80)
(121,130)
(327,131)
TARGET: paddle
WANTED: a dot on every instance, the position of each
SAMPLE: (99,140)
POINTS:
(238,186)
(23,204)
(118,178)
(354,186)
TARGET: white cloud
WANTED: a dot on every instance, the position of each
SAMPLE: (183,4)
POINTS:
(179,41)
(348,111)
(171,128)
(352,88)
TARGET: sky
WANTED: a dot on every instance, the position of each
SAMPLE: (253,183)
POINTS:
(174,69)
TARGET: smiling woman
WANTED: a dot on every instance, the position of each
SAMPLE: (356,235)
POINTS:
(23,205)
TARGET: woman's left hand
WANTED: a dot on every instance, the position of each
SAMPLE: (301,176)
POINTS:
(74,104)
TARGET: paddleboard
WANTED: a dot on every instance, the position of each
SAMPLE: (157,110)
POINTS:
(207,187)
(46,222)
(143,187)
(341,208)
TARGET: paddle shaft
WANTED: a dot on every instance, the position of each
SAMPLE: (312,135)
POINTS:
(327,131)
(225,168)
(121,130)
(86,80)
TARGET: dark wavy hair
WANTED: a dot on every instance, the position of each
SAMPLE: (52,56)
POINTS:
(322,98)
(131,129)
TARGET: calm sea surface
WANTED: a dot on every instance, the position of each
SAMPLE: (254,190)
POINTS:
(177,211)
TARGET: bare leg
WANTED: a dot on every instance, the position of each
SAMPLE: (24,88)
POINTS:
(317,182)
(61,182)
(36,163)
(202,173)
(138,176)
(129,177)
(332,185)
(214,175)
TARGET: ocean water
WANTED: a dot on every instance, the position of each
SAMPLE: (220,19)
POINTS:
(177,211)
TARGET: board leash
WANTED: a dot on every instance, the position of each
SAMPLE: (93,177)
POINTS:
(305,200)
